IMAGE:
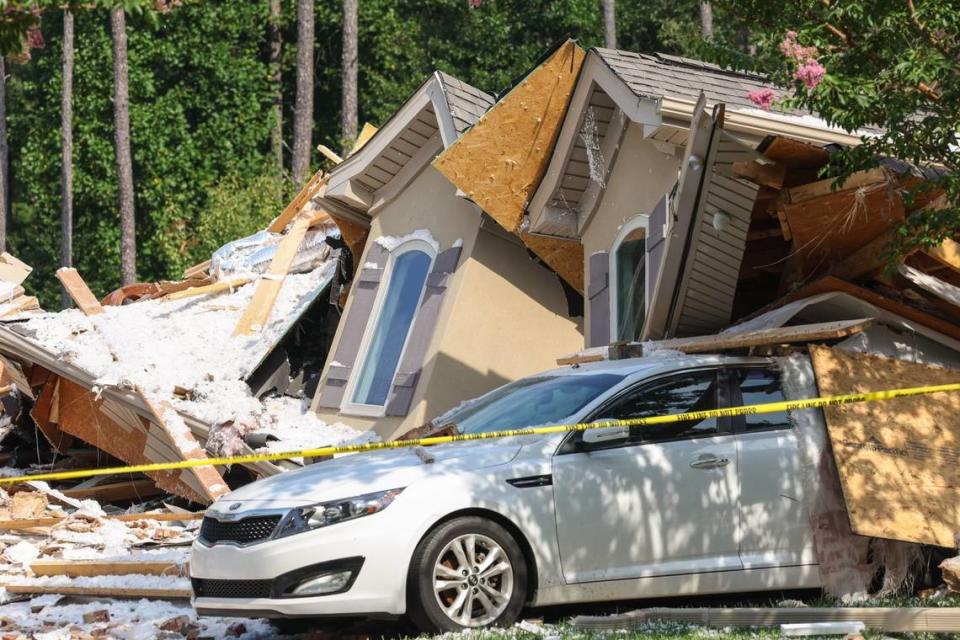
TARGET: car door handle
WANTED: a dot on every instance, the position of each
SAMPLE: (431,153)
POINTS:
(709,463)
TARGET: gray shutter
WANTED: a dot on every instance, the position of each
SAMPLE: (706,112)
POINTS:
(598,295)
(354,324)
(408,373)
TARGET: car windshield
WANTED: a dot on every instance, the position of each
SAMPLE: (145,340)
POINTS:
(529,402)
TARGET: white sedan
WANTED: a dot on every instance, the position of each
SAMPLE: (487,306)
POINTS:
(467,534)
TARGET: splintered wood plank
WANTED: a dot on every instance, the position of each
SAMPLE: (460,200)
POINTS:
(88,568)
(208,289)
(21,524)
(767,175)
(101,592)
(13,270)
(796,195)
(365,134)
(265,295)
(896,458)
(761,337)
(78,291)
(500,161)
(314,186)
(197,269)
(796,154)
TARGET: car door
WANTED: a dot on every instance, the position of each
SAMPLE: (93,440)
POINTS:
(663,501)
(776,529)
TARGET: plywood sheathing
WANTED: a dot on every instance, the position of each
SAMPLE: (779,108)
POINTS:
(565,257)
(353,234)
(13,270)
(78,291)
(135,439)
(500,161)
(795,154)
(45,415)
(896,458)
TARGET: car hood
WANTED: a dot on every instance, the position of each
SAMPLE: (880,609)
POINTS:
(361,473)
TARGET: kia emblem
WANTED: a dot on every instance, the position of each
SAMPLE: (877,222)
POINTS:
(234,506)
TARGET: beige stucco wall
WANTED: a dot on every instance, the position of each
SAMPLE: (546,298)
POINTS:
(641,175)
(428,202)
(509,321)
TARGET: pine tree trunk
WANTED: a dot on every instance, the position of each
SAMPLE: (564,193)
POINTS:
(706,20)
(4,167)
(66,136)
(349,118)
(121,118)
(276,44)
(303,112)
(609,24)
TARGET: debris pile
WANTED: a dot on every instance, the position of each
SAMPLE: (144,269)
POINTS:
(219,363)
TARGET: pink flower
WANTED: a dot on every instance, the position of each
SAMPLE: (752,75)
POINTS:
(474,3)
(791,49)
(34,38)
(763,98)
(810,73)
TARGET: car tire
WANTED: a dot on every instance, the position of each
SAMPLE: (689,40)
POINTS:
(492,593)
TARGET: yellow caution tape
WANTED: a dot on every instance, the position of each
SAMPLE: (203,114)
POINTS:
(772,407)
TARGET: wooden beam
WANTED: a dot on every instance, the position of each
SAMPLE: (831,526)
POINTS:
(101,592)
(115,491)
(802,193)
(310,190)
(197,269)
(78,291)
(579,358)
(766,175)
(209,289)
(329,154)
(761,337)
(265,296)
(365,134)
(87,568)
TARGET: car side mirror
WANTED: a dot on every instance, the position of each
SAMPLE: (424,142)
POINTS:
(602,436)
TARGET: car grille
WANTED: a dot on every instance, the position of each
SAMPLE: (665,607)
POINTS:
(203,588)
(243,531)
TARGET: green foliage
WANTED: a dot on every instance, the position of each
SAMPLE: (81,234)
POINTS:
(890,65)
(200,101)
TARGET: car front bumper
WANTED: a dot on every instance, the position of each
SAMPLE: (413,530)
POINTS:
(378,588)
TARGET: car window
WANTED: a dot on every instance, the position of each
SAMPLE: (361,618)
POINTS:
(529,402)
(684,393)
(761,386)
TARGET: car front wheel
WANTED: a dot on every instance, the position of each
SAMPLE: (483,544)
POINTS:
(467,573)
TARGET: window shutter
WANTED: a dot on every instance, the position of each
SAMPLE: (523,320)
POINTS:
(354,324)
(415,353)
(598,294)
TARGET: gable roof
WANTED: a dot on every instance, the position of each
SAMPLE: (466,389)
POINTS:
(431,119)
(657,75)
(466,103)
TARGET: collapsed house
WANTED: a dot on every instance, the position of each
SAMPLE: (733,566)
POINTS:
(445,304)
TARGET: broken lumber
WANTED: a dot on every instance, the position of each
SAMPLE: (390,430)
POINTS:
(264,297)
(115,491)
(584,358)
(197,269)
(13,270)
(21,524)
(768,174)
(209,289)
(329,154)
(101,592)
(796,195)
(890,619)
(314,186)
(91,568)
(761,337)
(78,291)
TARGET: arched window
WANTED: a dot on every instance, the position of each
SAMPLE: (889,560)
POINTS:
(383,346)
(628,280)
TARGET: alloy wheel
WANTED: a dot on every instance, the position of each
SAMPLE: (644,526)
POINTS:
(473,580)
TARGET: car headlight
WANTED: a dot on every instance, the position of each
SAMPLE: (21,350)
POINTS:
(325,514)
